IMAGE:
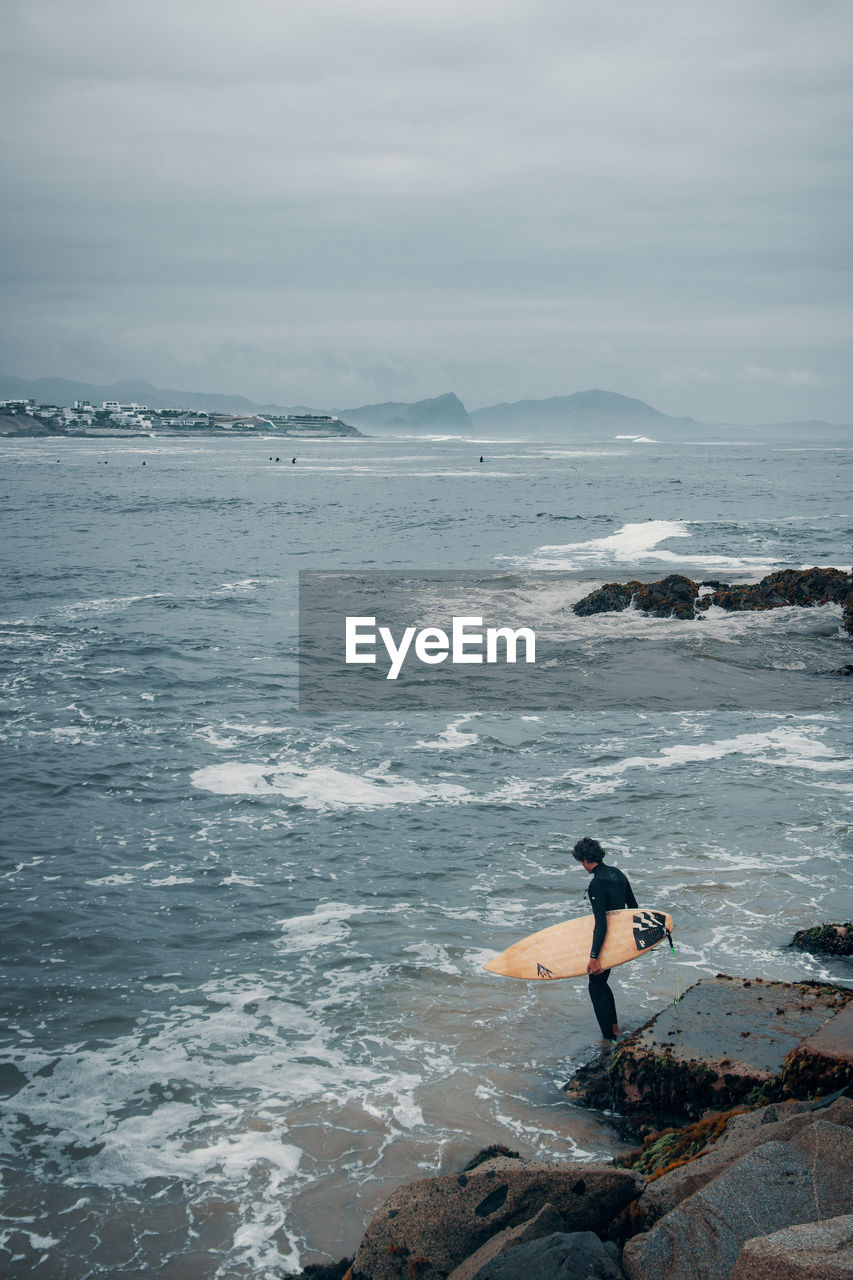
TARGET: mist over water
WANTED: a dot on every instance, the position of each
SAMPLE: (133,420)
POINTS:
(244,994)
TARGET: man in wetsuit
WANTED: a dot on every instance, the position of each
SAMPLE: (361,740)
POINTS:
(609,890)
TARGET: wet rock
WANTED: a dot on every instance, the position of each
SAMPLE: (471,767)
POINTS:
(678,597)
(804,587)
(810,1251)
(778,1185)
(824,1061)
(426,1229)
(826,939)
(671,597)
(613,597)
(778,1122)
(561,1256)
(726,1043)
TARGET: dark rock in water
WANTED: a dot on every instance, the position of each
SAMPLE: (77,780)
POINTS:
(429,1227)
(778,1185)
(613,597)
(804,587)
(560,1256)
(826,939)
(809,1251)
(671,597)
(728,1041)
(678,597)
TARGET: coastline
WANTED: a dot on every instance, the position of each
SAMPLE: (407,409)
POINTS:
(503,1217)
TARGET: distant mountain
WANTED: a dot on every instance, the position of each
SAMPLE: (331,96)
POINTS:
(443,413)
(64,391)
(590,415)
(601,415)
(587,409)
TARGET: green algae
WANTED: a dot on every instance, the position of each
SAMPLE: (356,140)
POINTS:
(826,939)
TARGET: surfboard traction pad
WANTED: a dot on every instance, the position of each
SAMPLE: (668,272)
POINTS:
(649,929)
(622,943)
(729,1041)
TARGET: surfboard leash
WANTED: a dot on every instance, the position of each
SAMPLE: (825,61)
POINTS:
(675,962)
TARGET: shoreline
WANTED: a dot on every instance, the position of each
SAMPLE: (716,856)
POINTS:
(120,434)
(676,1177)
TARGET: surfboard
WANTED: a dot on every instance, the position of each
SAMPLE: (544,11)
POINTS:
(562,951)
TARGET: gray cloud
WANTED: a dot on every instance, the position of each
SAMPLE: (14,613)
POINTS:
(318,204)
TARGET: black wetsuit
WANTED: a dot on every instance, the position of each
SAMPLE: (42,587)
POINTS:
(609,890)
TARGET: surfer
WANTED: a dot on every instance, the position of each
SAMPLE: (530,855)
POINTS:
(609,890)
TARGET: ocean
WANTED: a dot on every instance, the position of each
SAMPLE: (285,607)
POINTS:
(244,996)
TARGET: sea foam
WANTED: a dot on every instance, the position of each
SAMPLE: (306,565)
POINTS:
(322,787)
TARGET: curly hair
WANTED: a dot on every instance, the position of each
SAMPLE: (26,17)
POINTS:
(588,850)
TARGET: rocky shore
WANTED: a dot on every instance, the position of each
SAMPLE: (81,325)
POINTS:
(751,1180)
(676,596)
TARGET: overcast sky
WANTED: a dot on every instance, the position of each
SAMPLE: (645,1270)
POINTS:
(351,201)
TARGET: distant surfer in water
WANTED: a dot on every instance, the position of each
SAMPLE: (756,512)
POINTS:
(609,890)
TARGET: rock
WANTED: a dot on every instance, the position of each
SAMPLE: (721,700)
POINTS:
(613,597)
(426,1229)
(546,1222)
(811,1251)
(578,1255)
(804,587)
(671,597)
(824,1060)
(677,596)
(494,1152)
(778,1185)
(778,1122)
(725,1043)
(325,1271)
(826,939)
